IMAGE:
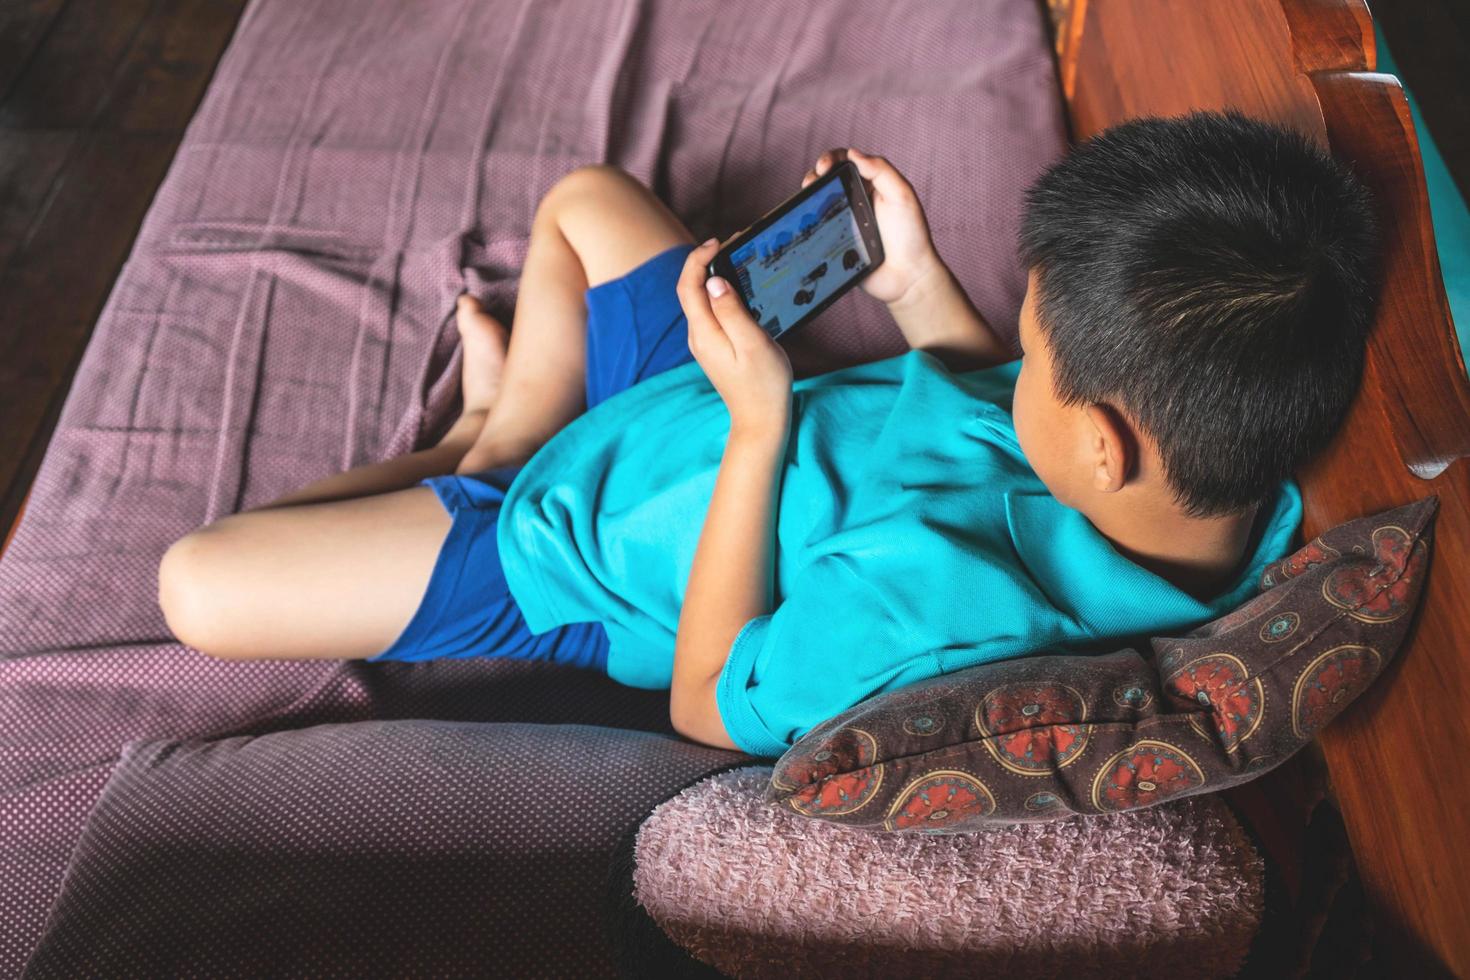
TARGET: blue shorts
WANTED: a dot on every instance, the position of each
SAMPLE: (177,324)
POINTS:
(635,329)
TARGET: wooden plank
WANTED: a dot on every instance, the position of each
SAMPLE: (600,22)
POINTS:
(1300,62)
(71,73)
(31,161)
(88,128)
(53,289)
(1413,415)
(1218,55)
(23,25)
(160,83)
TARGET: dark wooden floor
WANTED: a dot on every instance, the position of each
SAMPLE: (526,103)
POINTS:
(94,97)
(95,94)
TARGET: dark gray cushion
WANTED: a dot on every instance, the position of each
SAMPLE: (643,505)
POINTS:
(373,849)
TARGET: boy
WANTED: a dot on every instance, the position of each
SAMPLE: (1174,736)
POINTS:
(1193,330)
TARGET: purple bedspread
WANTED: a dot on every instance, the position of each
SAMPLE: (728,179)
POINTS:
(286,313)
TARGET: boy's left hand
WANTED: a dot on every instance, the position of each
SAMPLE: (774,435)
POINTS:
(747,367)
(908,248)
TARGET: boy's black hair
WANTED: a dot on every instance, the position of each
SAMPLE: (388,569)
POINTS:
(1215,276)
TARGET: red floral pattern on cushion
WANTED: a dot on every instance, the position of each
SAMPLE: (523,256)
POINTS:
(1032,725)
(1143,774)
(1314,553)
(841,792)
(1329,683)
(839,774)
(1361,589)
(940,800)
(1222,684)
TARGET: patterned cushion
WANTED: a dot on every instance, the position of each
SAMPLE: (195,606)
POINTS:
(1041,738)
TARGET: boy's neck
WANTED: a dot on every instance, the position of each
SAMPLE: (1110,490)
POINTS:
(1201,556)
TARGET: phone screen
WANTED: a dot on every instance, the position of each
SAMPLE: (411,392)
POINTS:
(802,258)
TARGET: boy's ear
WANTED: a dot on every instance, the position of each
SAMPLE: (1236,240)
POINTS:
(1112,448)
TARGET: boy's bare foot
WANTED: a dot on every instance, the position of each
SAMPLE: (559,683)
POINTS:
(485,342)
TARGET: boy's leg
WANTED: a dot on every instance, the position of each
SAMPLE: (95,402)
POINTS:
(338,568)
(396,473)
(331,579)
(596,224)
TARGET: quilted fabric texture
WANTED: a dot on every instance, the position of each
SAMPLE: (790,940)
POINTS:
(302,853)
(756,891)
(1045,738)
(286,313)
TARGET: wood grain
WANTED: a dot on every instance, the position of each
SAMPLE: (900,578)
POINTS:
(1399,806)
(1217,55)
(1393,758)
(1330,35)
(94,98)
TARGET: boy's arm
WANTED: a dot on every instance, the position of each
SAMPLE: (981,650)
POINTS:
(730,581)
(935,315)
(925,299)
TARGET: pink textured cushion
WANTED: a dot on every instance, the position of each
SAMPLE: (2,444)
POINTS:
(758,891)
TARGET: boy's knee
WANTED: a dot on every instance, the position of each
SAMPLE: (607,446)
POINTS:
(590,181)
(184,590)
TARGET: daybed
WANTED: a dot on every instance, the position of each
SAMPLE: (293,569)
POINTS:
(286,313)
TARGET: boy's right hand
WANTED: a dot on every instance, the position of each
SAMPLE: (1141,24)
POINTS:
(908,251)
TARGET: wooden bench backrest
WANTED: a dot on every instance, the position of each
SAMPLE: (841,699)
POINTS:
(1396,765)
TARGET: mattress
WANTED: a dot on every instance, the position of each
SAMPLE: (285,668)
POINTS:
(286,313)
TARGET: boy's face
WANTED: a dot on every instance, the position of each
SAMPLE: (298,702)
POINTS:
(1051,434)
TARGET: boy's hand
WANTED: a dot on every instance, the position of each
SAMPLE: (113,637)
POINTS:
(908,250)
(750,370)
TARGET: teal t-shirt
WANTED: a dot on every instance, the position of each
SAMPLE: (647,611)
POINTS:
(912,539)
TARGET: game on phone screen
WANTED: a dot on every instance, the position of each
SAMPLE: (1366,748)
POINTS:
(800,260)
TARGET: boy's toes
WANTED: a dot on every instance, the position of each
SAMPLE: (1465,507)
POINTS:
(474,321)
(467,306)
(485,342)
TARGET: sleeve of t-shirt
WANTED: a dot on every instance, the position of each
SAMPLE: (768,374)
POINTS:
(830,644)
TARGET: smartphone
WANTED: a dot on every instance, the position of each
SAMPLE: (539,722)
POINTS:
(799,257)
